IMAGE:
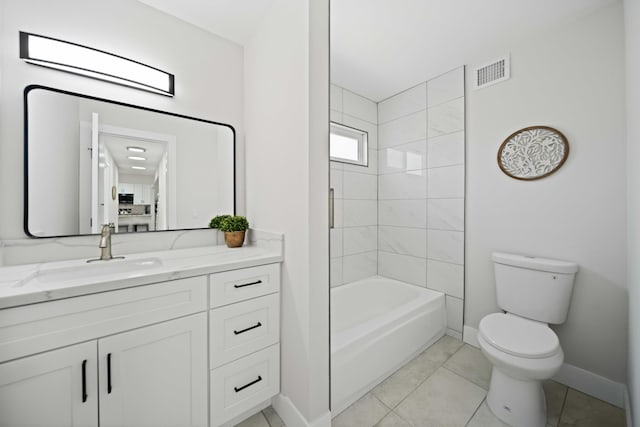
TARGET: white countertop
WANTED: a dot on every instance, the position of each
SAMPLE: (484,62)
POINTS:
(33,283)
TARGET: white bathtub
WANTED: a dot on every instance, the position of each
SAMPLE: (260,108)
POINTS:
(377,325)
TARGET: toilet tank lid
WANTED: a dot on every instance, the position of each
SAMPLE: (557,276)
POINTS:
(535,263)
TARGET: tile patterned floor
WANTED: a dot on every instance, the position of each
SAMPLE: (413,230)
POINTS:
(267,418)
(446,386)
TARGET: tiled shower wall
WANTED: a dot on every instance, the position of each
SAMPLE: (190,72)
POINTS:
(420,191)
(354,238)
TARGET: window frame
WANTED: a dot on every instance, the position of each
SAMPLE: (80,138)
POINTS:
(361,136)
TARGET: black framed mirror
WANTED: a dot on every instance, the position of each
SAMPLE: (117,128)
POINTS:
(90,161)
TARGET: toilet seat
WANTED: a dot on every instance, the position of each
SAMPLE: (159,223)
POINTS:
(518,336)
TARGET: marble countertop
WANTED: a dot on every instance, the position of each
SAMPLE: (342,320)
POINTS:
(33,283)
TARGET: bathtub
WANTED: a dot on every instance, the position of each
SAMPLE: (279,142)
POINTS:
(378,325)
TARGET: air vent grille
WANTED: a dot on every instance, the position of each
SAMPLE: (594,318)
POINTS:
(492,73)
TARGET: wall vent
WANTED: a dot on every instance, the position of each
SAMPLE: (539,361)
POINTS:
(492,73)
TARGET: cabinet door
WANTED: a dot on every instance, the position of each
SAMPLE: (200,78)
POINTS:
(137,194)
(146,194)
(51,389)
(155,376)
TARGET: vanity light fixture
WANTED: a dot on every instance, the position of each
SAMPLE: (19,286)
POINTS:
(136,149)
(94,63)
(142,168)
(136,158)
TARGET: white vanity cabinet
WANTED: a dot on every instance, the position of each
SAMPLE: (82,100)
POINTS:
(58,388)
(155,376)
(244,335)
(152,376)
(199,351)
(139,368)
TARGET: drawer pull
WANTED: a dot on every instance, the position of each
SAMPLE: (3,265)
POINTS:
(238,389)
(84,380)
(108,373)
(257,325)
(257,282)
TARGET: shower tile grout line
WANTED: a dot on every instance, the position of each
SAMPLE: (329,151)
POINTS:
(418,257)
(427,108)
(423,228)
(404,116)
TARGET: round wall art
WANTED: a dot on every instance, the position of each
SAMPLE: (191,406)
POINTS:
(533,153)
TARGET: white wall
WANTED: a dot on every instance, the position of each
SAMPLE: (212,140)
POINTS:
(570,77)
(209,84)
(354,238)
(136,179)
(632,39)
(286,116)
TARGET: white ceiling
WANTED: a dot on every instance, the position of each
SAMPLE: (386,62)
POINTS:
(381,47)
(232,19)
(117,146)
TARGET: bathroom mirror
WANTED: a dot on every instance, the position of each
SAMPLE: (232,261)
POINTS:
(92,161)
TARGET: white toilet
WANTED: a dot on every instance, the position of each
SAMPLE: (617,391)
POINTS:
(519,343)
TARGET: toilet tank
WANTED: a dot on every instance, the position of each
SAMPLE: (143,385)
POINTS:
(535,288)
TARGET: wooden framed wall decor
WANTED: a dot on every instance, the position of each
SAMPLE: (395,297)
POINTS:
(533,153)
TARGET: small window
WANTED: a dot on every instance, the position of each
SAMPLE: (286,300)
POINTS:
(348,145)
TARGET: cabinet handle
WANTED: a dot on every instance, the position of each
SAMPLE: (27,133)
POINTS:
(84,381)
(257,282)
(257,325)
(108,373)
(237,389)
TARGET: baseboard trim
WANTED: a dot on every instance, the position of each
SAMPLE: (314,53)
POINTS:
(455,334)
(591,384)
(293,418)
(470,336)
(627,407)
(577,378)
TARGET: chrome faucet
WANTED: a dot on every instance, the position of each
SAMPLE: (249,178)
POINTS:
(105,244)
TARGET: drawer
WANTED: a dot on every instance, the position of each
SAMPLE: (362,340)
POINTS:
(38,327)
(238,285)
(243,328)
(243,384)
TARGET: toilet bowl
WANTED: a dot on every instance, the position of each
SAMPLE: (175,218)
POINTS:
(523,352)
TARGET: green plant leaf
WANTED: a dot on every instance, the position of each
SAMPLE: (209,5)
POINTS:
(215,221)
(234,223)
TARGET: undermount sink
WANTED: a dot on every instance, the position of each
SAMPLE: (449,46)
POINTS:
(99,269)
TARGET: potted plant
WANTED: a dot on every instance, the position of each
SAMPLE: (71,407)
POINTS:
(234,228)
(216,220)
